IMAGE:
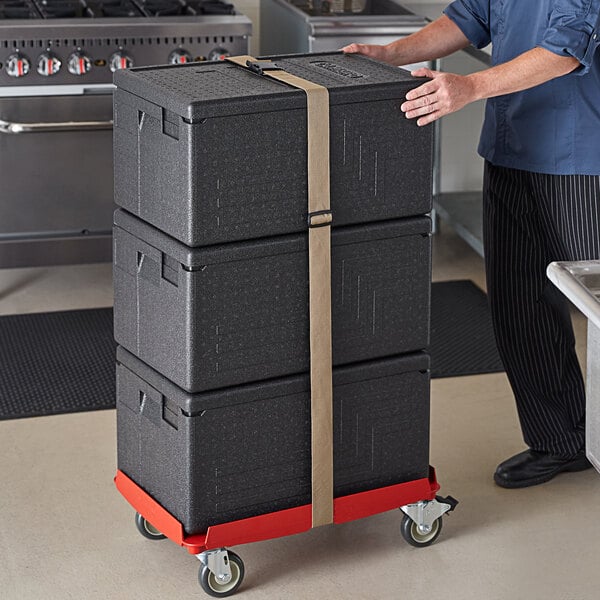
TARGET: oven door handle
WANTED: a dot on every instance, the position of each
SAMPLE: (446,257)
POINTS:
(12,128)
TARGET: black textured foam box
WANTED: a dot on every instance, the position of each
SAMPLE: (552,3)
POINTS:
(213,153)
(212,317)
(230,454)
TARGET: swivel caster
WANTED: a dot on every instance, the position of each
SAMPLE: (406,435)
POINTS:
(422,522)
(420,535)
(221,573)
(147,529)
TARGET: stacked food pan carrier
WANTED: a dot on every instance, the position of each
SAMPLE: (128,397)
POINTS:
(272,295)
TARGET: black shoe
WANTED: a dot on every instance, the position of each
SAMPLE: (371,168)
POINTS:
(532,468)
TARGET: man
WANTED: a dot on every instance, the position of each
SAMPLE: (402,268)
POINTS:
(541,145)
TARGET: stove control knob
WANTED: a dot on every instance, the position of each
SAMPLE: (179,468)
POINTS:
(120,60)
(17,65)
(48,64)
(79,63)
(218,54)
(180,57)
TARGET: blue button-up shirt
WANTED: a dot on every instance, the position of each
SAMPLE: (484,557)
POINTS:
(554,127)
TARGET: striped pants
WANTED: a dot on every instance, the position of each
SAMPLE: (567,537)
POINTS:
(530,220)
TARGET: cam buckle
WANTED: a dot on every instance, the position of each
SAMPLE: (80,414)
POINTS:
(260,66)
(319,218)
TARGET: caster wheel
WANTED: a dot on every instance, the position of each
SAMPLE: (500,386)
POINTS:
(147,529)
(411,533)
(213,587)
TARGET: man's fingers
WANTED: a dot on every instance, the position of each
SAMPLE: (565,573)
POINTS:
(422,100)
(430,118)
(421,111)
(423,104)
(444,94)
(422,72)
(423,90)
(370,50)
(365,49)
(425,72)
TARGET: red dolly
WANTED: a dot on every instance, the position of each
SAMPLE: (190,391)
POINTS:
(222,571)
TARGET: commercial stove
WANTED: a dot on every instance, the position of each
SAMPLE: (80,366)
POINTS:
(325,25)
(57,59)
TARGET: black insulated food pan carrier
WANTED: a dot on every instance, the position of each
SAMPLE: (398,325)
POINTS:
(231,454)
(213,153)
(213,317)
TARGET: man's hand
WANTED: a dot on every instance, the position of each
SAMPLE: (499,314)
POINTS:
(374,51)
(445,94)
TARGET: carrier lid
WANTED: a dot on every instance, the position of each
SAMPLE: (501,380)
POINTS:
(197,91)
(198,258)
(195,404)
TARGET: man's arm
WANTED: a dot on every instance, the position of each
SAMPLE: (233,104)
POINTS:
(447,92)
(438,39)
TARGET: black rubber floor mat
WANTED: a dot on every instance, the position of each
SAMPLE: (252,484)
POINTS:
(61,362)
(57,362)
(462,336)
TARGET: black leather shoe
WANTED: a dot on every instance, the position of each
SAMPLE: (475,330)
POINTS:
(532,468)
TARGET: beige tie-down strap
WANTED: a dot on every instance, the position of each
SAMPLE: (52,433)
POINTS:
(319,259)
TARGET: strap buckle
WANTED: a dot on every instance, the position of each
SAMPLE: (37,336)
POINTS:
(320,218)
(260,66)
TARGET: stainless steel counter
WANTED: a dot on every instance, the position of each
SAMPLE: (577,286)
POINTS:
(580,283)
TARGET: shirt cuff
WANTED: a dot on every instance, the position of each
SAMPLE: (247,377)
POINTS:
(476,30)
(572,35)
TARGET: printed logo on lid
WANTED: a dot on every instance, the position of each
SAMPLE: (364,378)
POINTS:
(337,69)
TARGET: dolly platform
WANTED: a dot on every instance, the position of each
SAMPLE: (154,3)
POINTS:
(222,571)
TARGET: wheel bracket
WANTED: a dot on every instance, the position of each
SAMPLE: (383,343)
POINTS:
(425,512)
(217,562)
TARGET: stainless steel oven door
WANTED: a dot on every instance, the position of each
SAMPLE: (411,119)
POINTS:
(56,173)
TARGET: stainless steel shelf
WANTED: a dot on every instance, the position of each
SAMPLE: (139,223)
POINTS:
(463,212)
(55,251)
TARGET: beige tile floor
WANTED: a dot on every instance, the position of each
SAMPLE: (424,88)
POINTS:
(65,533)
